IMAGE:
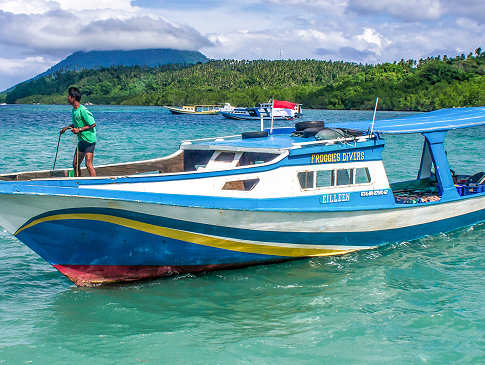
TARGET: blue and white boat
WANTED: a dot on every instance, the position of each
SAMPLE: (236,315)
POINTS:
(243,200)
(264,111)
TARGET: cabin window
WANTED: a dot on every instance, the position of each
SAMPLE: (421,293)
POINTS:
(194,159)
(254,158)
(362,176)
(306,179)
(344,177)
(328,178)
(241,185)
(324,178)
(225,157)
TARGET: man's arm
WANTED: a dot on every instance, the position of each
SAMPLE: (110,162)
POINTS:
(88,119)
(82,129)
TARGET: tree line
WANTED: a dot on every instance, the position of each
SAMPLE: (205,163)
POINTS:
(415,85)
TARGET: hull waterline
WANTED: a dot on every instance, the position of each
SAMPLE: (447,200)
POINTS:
(96,275)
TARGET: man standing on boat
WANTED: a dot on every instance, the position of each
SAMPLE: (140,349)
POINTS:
(84,126)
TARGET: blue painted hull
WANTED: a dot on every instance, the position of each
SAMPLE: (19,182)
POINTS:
(120,245)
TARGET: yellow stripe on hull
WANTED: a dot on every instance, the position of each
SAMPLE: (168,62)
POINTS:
(265,248)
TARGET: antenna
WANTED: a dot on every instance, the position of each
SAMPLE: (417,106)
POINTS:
(374,118)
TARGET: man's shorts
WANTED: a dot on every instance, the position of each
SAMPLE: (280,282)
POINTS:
(86,147)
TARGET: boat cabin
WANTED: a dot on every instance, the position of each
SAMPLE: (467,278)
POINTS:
(325,166)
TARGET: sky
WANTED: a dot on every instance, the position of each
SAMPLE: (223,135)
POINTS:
(36,34)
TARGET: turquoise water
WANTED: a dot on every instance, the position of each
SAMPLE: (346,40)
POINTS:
(410,302)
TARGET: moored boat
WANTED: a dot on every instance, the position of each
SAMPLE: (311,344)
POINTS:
(195,109)
(276,110)
(312,190)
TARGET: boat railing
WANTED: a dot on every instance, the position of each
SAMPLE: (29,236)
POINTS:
(331,141)
(190,141)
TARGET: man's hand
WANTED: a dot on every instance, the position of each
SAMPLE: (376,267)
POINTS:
(64,129)
(76,130)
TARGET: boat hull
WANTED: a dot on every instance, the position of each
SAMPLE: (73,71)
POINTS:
(234,116)
(95,275)
(182,111)
(97,241)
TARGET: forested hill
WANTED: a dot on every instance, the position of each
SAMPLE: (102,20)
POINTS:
(141,57)
(426,84)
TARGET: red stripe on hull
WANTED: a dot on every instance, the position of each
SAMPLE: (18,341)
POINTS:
(95,275)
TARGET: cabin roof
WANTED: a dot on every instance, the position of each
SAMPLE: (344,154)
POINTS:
(438,120)
(273,143)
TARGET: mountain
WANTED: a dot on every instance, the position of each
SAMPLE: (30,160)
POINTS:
(142,57)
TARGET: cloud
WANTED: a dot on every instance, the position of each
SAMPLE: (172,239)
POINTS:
(177,4)
(327,6)
(355,54)
(409,10)
(348,53)
(351,30)
(15,70)
(43,6)
(372,37)
(12,66)
(300,21)
(471,9)
(65,31)
(36,34)
(299,44)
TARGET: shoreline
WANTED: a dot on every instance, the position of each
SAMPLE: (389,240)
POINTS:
(164,107)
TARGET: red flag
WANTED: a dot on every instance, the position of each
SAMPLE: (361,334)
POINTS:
(283,104)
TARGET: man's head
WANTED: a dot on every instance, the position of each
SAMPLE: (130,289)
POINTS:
(73,94)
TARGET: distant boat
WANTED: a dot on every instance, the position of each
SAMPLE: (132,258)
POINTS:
(3,103)
(279,110)
(195,109)
(227,108)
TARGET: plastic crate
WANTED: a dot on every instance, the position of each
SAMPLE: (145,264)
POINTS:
(469,189)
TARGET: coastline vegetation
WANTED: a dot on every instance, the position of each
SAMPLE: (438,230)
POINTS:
(423,85)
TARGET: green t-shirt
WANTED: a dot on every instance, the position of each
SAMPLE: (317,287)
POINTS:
(82,117)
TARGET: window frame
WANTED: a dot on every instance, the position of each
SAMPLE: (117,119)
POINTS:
(368,174)
(353,173)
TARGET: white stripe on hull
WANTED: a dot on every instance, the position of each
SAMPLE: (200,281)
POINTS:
(21,208)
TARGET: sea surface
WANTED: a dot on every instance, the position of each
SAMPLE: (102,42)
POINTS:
(418,302)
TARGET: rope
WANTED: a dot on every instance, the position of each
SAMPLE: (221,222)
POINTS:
(76,143)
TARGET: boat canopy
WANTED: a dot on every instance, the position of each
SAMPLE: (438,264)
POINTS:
(438,120)
(276,143)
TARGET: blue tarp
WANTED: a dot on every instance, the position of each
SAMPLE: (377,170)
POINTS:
(438,120)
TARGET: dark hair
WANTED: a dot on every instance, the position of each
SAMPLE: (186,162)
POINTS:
(75,93)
